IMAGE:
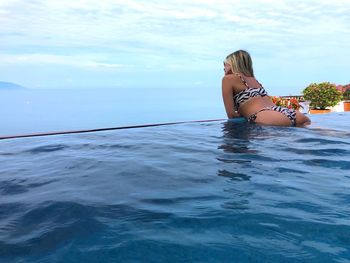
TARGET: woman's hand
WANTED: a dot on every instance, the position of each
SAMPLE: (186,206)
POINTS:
(236,114)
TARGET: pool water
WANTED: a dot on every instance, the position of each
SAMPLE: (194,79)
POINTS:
(196,192)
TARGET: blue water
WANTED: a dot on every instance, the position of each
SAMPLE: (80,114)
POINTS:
(30,111)
(196,192)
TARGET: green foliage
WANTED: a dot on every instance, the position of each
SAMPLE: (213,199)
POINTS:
(346,94)
(322,95)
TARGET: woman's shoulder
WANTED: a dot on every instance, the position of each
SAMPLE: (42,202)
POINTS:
(233,78)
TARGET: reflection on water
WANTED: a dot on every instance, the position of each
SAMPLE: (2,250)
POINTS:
(235,145)
(234,176)
(239,149)
(235,142)
(236,137)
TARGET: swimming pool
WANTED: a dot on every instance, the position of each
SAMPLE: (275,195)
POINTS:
(197,192)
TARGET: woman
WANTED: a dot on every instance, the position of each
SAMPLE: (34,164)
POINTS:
(244,96)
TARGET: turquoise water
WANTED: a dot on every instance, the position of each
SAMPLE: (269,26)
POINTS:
(197,192)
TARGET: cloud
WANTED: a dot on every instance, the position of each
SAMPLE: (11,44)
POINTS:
(198,28)
(48,59)
(173,35)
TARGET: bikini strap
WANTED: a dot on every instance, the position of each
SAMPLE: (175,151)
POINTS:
(259,83)
(242,79)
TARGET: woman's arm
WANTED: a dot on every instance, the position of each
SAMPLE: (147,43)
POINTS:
(227,95)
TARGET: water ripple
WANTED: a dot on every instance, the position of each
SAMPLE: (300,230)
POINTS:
(218,192)
(326,163)
(47,148)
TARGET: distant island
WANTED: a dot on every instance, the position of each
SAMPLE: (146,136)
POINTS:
(9,85)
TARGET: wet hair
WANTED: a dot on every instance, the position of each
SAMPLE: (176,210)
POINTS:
(241,62)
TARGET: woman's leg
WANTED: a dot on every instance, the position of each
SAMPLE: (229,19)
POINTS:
(271,117)
(302,120)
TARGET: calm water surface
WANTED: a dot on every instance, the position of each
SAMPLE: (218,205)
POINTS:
(197,192)
(30,111)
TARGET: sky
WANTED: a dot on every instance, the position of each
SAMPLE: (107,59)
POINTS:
(64,44)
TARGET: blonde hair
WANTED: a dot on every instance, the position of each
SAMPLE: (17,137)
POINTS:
(241,62)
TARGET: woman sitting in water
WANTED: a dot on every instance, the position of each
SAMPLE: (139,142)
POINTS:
(244,96)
